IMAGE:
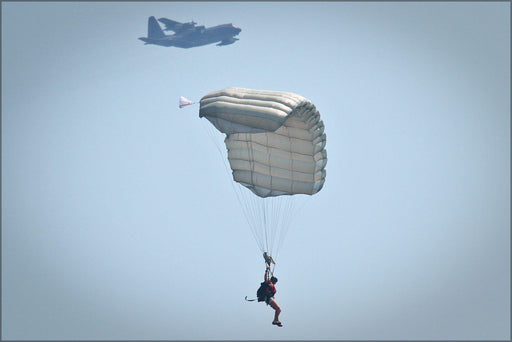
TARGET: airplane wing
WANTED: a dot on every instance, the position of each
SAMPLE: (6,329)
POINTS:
(176,26)
(170,25)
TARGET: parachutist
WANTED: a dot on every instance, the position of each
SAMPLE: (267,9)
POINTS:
(275,144)
(266,293)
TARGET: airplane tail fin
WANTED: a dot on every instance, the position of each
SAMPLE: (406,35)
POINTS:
(154,29)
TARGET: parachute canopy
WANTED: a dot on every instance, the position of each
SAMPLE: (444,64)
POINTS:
(184,102)
(275,139)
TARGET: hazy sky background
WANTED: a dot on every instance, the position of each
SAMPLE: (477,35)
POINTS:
(119,220)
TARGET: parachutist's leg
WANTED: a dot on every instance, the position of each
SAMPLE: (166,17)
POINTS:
(276,307)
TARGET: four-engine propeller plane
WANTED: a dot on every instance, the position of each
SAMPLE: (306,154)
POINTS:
(187,35)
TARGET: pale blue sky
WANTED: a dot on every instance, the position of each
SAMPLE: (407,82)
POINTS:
(119,220)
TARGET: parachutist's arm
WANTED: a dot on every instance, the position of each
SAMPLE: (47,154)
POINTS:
(266,274)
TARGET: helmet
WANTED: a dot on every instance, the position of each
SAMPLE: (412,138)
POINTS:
(273,280)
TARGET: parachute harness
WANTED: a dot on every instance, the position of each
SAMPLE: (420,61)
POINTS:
(268,261)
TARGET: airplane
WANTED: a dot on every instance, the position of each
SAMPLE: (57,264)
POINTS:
(187,35)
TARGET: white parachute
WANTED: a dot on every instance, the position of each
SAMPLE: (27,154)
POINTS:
(276,148)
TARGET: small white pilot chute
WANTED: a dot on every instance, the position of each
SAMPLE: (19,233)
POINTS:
(185,102)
